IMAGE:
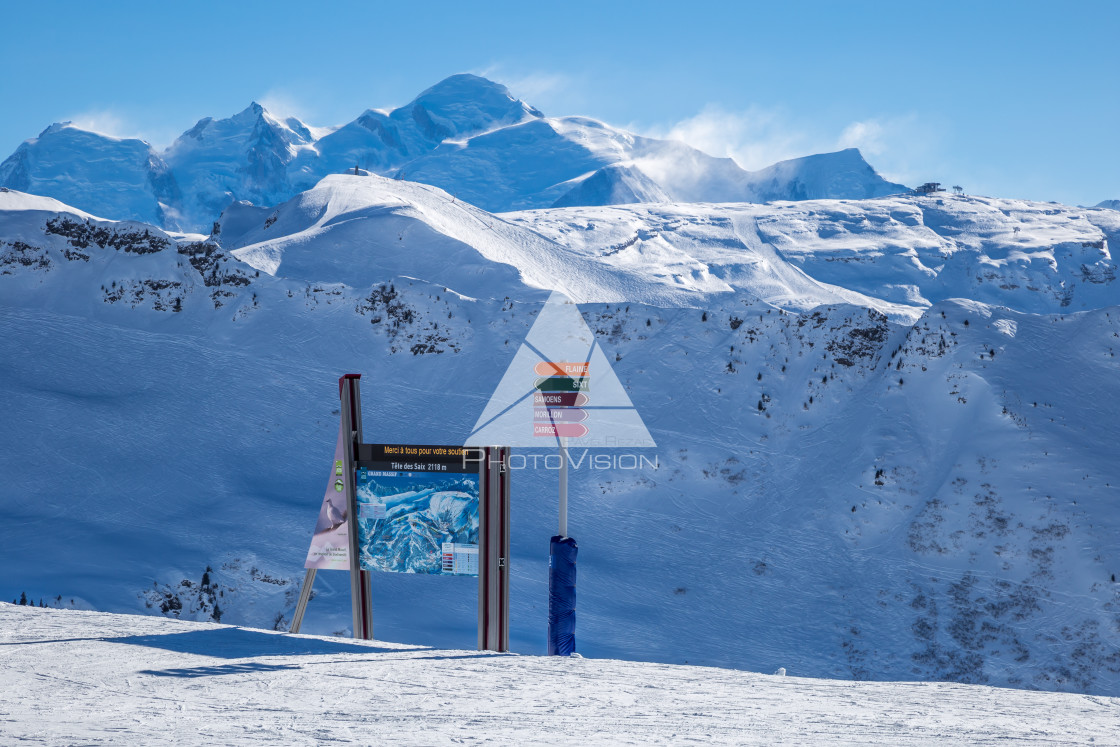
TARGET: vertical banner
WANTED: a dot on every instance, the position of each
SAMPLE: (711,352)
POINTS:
(330,543)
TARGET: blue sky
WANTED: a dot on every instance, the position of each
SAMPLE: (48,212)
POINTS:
(1016,99)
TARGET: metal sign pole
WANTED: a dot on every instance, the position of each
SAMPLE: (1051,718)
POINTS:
(361,607)
(562,574)
(494,561)
(483,548)
(563,487)
(366,576)
(503,561)
(493,550)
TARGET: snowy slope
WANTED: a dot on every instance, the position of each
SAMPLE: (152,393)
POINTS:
(897,254)
(852,481)
(371,224)
(466,135)
(363,229)
(108,679)
(612,185)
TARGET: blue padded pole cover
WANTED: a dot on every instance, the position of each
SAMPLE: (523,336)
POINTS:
(562,596)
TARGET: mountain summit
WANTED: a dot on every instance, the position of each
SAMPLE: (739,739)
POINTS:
(458,107)
(243,157)
(465,104)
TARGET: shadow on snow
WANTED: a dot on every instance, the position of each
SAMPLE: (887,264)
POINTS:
(241,643)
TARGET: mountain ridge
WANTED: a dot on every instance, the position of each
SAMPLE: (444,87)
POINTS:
(465,134)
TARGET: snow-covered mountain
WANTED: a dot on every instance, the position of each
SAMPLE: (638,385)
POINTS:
(244,157)
(466,135)
(896,255)
(565,161)
(457,107)
(1110,204)
(884,442)
(119,177)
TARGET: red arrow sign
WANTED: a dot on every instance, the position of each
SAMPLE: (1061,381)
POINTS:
(568,430)
(559,399)
(559,414)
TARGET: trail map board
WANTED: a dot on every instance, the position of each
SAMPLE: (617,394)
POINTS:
(418,508)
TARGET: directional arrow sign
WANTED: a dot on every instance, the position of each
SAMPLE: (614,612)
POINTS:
(561,368)
(553,365)
(559,414)
(552,430)
(560,399)
(562,384)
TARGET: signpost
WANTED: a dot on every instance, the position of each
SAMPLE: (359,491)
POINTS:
(413,509)
(493,576)
(361,593)
(545,399)
(558,402)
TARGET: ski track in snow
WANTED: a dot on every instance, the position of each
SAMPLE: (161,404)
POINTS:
(95,678)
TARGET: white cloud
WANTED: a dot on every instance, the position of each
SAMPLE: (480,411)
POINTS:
(902,148)
(556,94)
(755,138)
(537,86)
(106,122)
(282,104)
(117,124)
(866,135)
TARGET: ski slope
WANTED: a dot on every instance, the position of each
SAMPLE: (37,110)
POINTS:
(94,678)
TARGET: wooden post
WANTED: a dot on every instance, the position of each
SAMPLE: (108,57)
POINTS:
(304,598)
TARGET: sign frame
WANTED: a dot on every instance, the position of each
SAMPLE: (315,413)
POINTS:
(493,540)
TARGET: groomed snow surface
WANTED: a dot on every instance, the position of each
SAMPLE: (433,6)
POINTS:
(69,677)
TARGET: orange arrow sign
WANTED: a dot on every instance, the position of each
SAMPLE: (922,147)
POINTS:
(560,368)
